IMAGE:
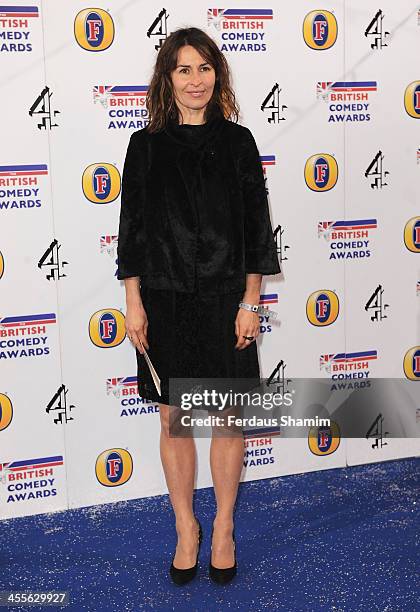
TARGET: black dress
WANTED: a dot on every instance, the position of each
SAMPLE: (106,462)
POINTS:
(192,335)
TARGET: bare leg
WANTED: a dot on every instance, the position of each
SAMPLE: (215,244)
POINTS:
(226,462)
(178,461)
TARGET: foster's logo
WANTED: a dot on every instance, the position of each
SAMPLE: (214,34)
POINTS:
(101,183)
(106,328)
(321,172)
(322,307)
(324,440)
(114,467)
(320,30)
(94,29)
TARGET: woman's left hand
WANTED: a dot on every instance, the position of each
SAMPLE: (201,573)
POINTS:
(247,323)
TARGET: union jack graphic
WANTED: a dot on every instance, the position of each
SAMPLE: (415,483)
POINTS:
(324,228)
(325,362)
(322,89)
(115,385)
(108,244)
(214,17)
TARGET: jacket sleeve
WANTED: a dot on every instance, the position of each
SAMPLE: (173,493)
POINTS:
(130,248)
(260,247)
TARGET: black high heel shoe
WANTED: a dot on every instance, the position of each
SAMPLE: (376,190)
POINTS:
(225,575)
(182,576)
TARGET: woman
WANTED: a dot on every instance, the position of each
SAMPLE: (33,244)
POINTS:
(195,238)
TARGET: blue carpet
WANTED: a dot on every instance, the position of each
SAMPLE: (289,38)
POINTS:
(335,540)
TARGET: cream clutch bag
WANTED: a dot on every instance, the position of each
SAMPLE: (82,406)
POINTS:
(153,372)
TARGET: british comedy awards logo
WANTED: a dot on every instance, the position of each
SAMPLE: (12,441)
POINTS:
(125,105)
(29,479)
(348,367)
(241,30)
(21,186)
(348,101)
(125,390)
(25,336)
(347,239)
(17,26)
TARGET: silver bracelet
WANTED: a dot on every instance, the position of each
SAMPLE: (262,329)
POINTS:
(263,310)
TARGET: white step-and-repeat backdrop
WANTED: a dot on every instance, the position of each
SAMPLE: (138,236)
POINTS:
(332,96)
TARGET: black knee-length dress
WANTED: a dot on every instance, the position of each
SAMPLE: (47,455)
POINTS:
(192,335)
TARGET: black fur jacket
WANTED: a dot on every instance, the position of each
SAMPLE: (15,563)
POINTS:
(194,209)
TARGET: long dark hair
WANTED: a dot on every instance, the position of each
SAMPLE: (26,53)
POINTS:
(160,99)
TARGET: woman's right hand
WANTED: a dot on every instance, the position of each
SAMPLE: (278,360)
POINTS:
(136,326)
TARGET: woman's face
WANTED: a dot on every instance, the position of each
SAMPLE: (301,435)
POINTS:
(192,80)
